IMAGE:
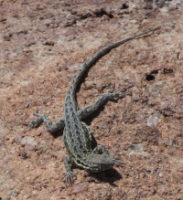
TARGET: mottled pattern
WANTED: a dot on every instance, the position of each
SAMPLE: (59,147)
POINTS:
(77,137)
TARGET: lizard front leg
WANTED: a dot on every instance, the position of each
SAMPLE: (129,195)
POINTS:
(83,113)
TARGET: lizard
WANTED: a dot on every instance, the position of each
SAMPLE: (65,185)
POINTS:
(76,135)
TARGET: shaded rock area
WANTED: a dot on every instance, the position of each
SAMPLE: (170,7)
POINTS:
(42,45)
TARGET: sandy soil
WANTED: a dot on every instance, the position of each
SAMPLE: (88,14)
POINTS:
(42,45)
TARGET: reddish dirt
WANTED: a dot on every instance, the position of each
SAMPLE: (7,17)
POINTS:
(42,45)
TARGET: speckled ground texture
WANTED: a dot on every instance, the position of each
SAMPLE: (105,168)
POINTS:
(42,45)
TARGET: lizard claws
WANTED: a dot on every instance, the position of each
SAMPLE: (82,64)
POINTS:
(29,124)
(124,90)
(35,123)
(69,178)
(118,162)
(38,115)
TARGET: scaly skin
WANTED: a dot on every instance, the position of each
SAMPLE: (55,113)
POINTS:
(77,136)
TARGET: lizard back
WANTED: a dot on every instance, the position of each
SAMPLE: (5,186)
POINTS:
(77,137)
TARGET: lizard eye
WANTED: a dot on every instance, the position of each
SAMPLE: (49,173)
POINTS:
(100,151)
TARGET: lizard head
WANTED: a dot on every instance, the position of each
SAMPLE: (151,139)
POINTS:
(100,160)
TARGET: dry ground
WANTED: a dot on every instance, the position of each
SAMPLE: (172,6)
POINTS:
(42,44)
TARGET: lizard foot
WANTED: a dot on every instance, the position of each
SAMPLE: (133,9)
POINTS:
(33,124)
(69,178)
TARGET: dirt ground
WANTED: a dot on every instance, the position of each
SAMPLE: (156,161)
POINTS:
(42,45)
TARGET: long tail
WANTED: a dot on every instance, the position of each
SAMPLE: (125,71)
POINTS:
(97,56)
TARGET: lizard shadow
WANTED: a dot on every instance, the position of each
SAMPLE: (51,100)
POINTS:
(108,176)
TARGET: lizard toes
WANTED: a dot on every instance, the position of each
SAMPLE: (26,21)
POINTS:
(69,178)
